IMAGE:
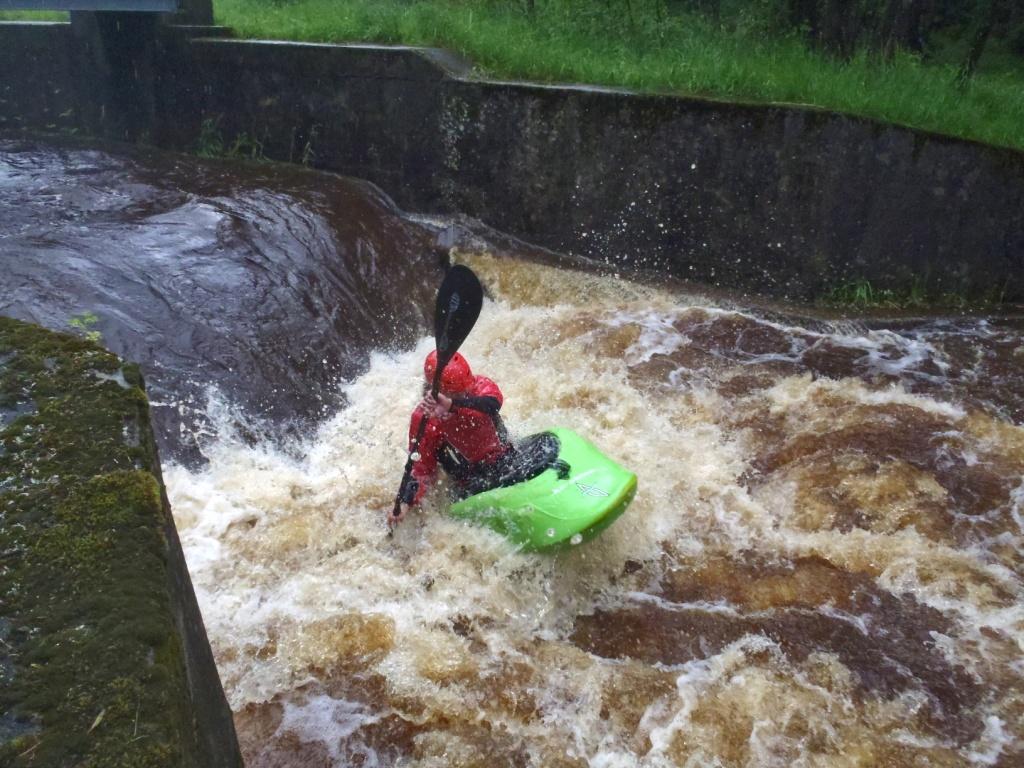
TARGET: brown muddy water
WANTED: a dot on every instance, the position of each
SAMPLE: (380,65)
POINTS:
(822,566)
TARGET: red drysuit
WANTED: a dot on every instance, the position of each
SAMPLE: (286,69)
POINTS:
(469,438)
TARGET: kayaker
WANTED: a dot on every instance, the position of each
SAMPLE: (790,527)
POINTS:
(464,434)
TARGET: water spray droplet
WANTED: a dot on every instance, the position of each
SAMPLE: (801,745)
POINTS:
(576,539)
(551,533)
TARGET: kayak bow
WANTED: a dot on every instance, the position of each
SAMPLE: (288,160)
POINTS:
(569,501)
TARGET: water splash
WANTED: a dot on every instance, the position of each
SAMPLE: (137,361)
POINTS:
(821,566)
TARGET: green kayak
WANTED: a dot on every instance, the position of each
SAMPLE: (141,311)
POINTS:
(563,492)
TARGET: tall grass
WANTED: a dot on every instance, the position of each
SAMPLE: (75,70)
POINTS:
(33,16)
(681,53)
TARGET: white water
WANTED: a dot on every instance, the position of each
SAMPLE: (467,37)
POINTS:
(445,646)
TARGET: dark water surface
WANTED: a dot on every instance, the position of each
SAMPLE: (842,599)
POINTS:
(269,282)
(822,565)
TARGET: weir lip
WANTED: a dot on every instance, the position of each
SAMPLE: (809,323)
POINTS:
(268,282)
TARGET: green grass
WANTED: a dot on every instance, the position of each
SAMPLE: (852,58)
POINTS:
(33,16)
(861,294)
(679,53)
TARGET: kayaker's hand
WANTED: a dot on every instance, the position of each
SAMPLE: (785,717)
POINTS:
(393,520)
(438,407)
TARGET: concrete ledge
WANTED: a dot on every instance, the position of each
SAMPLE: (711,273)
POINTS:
(104,660)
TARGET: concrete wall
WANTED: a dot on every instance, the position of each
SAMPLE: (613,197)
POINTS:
(104,659)
(776,201)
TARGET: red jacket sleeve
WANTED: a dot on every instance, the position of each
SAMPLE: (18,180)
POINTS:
(424,470)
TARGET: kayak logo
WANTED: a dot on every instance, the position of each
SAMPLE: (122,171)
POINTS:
(590,490)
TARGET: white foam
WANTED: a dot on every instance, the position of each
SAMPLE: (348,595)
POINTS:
(294,573)
(990,745)
(330,722)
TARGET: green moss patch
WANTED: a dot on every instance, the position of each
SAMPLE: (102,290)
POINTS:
(910,294)
(90,657)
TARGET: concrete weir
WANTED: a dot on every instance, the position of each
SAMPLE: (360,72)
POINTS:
(104,660)
(770,199)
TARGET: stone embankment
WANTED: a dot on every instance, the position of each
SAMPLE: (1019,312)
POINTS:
(104,660)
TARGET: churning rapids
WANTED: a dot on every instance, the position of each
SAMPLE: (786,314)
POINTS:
(822,566)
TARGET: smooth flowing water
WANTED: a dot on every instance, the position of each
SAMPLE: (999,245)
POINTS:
(270,282)
(822,565)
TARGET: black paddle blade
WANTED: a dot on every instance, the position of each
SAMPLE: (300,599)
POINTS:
(459,300)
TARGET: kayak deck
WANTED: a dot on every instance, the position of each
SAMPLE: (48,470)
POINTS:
(564,504)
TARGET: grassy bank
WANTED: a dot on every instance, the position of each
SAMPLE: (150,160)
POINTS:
(33,16)
(684,53)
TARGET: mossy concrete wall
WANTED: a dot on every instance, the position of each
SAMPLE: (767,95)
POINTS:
(104,660)
(775,200)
